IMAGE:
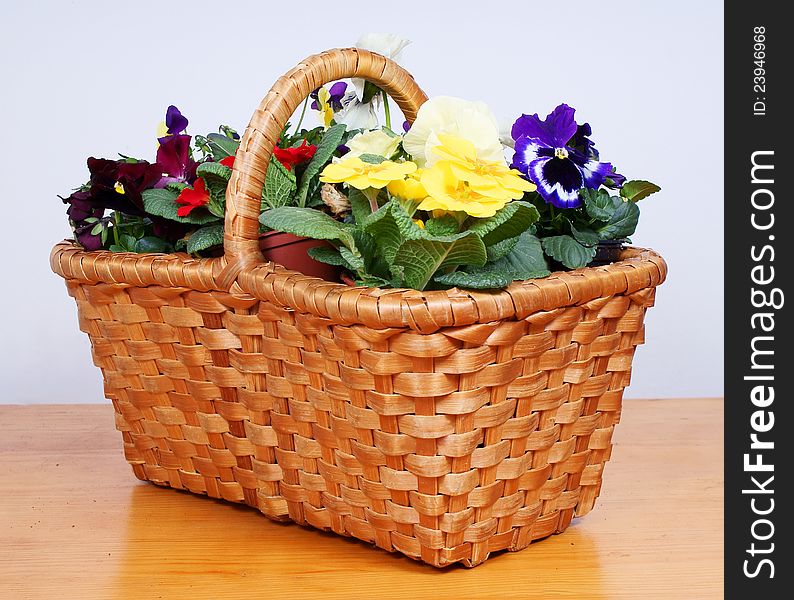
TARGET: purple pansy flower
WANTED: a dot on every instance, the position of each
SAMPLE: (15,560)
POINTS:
(336,93)
(557,156)
(174,157)
(175,120)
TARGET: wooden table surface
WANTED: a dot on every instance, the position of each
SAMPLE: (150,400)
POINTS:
(75,523)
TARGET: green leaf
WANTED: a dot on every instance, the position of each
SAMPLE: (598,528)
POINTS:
(280,185)
(152,244)
(373,159)
(500,249)
(128,242)
(162,203)
(97,229)
(206,237)
(222,146)
(325,150)
(359,204)
(176,186)
(526,260)
(307,222)
(597,203)
(584,235)
(421,258)
(329,256)
(390,226)
(445,225)
(353,258)
(566,250)
(512,220)
(623,222)
(636,190)
(216,177)
(484,279)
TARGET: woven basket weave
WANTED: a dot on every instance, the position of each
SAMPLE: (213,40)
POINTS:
(445,425)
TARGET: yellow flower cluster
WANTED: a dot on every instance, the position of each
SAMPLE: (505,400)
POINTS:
(363,175)
(460,181)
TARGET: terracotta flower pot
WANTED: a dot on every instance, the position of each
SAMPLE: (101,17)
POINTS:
(291,252)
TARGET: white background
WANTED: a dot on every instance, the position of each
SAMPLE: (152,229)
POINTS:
(87,78)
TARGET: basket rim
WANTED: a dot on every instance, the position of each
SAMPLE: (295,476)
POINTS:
(379,308)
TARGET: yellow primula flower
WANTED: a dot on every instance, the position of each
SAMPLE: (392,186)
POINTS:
(449,193)
(363,175)
(486,177)
(459,181)
(410,188)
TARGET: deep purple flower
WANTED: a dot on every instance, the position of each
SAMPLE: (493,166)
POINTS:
(336,93)
(173,156)
(557,155)
(175,120)
(89,241)
(117,185)
(406,126)
(81,207)
(135,177)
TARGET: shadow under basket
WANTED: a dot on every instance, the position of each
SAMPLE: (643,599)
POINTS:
(445,425)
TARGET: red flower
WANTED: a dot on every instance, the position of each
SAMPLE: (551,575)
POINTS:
(228,161)
(191,198)
(290,157)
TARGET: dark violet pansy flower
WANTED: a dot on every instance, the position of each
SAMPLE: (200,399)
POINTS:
(557,155)
(336,93)
(173,156)
(175,120)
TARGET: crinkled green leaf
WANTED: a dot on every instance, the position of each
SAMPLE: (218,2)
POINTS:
(222,146)
(329,256)
(162,203)
(597,203)
(216,178)
(500,249)
(445,225)
(637,189)
(526,260)
(359,204)
(206,237)
(307,222)
(390,226)
(566,250)
(353,258)
(512,220)
(485,279)
(584,235)
(151,244)
(421,258)
(280,185)
(623,222)
(325,149)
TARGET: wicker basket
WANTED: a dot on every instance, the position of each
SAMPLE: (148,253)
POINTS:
(445,425)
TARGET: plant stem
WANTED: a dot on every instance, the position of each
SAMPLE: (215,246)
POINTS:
(116,223)
(303,113)
(386,108)
(372,196)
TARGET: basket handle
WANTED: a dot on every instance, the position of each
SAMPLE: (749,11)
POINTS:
(241,230)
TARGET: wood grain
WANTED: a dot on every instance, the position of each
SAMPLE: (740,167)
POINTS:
(74,523)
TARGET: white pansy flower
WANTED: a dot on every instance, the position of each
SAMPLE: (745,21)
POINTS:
(355,114)
(376,142)
(387,44)
(472,121)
